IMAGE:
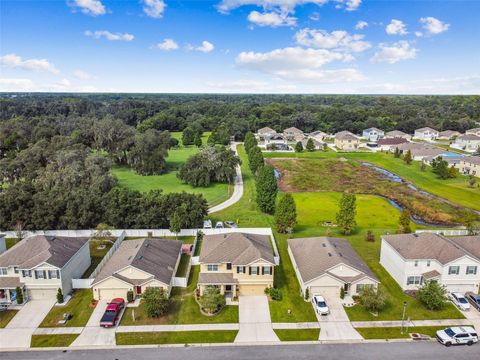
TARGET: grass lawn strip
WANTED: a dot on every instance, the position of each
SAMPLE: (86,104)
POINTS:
(183,265)
(394,332)
(298,334)
(6,316)
(78,306)
(60,340)
(176,337)
(97,254)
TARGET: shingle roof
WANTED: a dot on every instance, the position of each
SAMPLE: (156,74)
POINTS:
(293,130)
(216,278)
(431,274)
(469,243)
(396,133)
(467,137)
(265,130)
(471,160)
(425,246)
(236,248)
(345,136)
(35,250)
(448,133)
(424,129)
(314,256)
(373,129)
(9,282)
(473,131)
(157,257)
(392,141)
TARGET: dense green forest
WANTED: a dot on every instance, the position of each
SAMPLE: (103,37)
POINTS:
(56,150)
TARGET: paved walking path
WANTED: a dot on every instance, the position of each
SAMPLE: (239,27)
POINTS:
(294,326)
(58,330)
(237,189)
(412,323)
(188,327)
(255,322)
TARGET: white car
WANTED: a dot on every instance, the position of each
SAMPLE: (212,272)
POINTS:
(219,225)
(320,304)
(460,301)
(207,224)
(457,336)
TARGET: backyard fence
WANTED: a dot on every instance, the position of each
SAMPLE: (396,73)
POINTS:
(108,255)
(446,232)
(82,283)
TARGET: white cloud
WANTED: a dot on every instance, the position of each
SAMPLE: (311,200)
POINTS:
(248,86)
(90,7)
(206,47)
(82,75)
(296,63)
(272,19)
(16,84)
(109,35)
(418,34)
(396,52)
(361,25)
(352,5)
(396,27)
(434,26)
(314,16)
(340,40)
(37,65)
(167,45)
(154,8)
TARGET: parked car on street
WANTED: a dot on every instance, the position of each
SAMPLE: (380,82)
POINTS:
(207,224)
(219,225)
(460,301)
(112,312)
(320,304)
(457,336)
(473,299)
(230,224)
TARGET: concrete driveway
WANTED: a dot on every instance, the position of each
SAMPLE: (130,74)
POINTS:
(18,332)
(474,316)
(336,325)
(93,334)
(255,322)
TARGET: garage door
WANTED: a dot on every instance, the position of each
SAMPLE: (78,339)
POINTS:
(461,288)
(324,290)
(109,294)
(42,294)
(246,290)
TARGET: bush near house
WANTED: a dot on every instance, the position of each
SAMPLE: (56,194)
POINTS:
(156,302)
(212,301)
(432,295)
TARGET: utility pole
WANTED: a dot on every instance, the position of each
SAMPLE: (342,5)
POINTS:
(403,316)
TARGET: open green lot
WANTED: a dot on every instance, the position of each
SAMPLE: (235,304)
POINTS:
(183,266)
(183,309)
(395,332)
(6,316)
(59,340)
(176,337)
(97,254)
(78,306)
(298,334)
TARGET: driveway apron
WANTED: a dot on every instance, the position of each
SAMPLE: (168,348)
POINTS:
(255,322)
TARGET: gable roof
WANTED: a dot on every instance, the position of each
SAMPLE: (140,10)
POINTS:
(157,257)
(38,249)
(395,133)
(236,248)
(473,131)
(373,129)
(425,129)
(293,130)
(314,256)
(469,243)
(468,137)
(426,246)
(266,130)
(345,135)
(392,141)
(447,133)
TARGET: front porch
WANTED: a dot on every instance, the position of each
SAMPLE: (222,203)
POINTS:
(8,291)
(225,282)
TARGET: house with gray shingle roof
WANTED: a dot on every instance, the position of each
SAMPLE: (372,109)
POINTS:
(373,134)
(411,259)
(468,142)
(136,265)
(325,264)
(40,265)
(426,134)
(236,263)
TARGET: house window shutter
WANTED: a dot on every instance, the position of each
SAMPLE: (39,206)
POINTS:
(250,271)
(271,270)
(258,270)
(238,269)
(58,274)
(263,270)
(44,274)
(36,275)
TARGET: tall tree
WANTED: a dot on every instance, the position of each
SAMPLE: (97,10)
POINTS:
(299,147)
(408,157)
(188,136)
(148,154)
(346,215)
(255,159)
(286,214)
(267,189)
(404,222)
(310,145)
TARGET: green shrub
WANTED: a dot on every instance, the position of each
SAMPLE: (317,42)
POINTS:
(211,300)
(129,296)
(432,295)
(307,293)
(60,298)
(342,293)
(274,293)
(19,293)
(156,302)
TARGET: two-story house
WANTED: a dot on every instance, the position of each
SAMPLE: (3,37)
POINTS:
(467,142)
(426,134)
(373,134)
(470,165)
(448,135)
(236,263)
(293,134)
(475,131)
(411,259)
(40,265)
(345,140)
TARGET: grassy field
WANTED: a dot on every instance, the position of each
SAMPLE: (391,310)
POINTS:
(61,340)
(455,190)
(183,266)
(394,332)
(298,334)
(6,316)
(9,242)
(96,254)
(78,306)
(176,337)
(183,309)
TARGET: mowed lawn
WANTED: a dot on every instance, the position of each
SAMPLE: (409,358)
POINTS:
(78,306)
(58,340)
(128,178)
(176,337)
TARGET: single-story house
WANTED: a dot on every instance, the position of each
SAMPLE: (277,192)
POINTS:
(277,139)
(426,133)
(451,160)
(387,144)
(293,134)
(41,264)
(265,131)
(467,142)
(470,165)
(419,150)
(318,144)
(346,141)
(236,263)
(136,265)
(411,259)
(398,134)
(318,135)
(475,131)
(373,134)
(448,134)
(325,264)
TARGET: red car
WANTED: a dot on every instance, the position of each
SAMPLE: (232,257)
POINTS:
(112,312)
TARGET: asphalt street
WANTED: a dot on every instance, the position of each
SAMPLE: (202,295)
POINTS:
(370,351)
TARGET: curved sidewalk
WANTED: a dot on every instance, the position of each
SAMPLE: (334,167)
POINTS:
(237,190)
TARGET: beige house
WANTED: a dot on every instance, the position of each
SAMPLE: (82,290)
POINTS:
(293,134)
(475,131)
(137,265)
(40,265)
(470,165)
(318,135)
(346,141)
(398,134)
(467,142)
(236,264)
(448,135)
(265,131)
(324,264)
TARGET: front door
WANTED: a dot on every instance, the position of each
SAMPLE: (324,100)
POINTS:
(228,287)
(346,287)
(138,290)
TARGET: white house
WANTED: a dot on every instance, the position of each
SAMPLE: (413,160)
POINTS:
(426,133)
(467,142)
(318,135)
(40,265)
(475,131)
(411,259)
(324,264)
(373,134)
(293,134)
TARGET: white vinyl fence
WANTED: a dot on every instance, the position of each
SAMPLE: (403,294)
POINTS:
(446,232)
(109,254)
(82,283)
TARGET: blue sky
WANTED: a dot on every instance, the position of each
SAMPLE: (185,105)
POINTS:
(265,46)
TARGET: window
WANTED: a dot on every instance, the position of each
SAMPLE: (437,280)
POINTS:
(415,263)
(40,274)
(253,270)
(414,280)
(53,274)
(471,270)
(428,263)
(212,267)
(360,287)
(267,270)
(27,273)
(240,269)
(15,269)
(3,271)
(229,266)
(454,270)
